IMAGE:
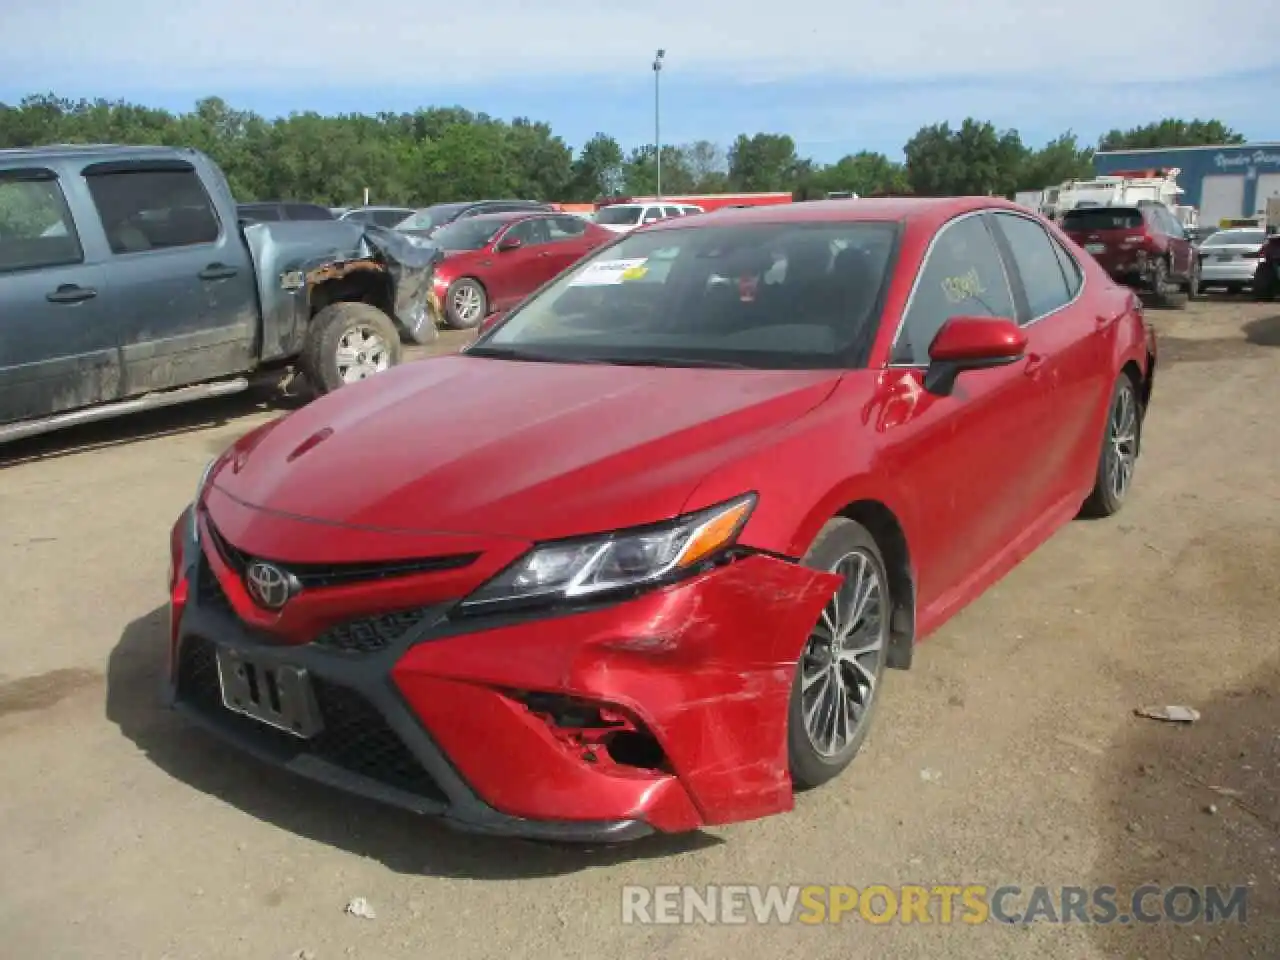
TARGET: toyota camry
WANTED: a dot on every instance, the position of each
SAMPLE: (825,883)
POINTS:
(639,558)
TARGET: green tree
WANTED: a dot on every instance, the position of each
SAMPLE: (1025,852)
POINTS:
(1058,160)
(763,162)
(451,153)
(599,170)
(1171,133)
(642,172)
(976,160)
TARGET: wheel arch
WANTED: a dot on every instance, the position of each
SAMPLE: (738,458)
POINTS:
(886,529)
(371,286)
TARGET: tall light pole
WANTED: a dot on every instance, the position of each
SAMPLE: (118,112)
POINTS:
(657,117)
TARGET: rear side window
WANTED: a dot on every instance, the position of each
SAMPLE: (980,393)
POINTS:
(1102,218)
(1037,264)
(651,215)
(388,218)
(566,228)
(153,209)
(36,229)
(307,211)
(618,215)
(963,276)
(1070,268)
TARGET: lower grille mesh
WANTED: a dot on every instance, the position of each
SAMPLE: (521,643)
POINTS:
(355,737)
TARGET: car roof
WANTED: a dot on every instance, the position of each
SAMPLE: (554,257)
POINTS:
(81,150)
(929,211)
(502,215)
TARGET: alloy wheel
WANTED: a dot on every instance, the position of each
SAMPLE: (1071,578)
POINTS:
(361,353)
(1122,443)
(844,656)
(467,304)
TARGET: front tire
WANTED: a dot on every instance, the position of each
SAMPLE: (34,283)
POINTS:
(466,304)
(346,343)
(837,679)
(1121,441)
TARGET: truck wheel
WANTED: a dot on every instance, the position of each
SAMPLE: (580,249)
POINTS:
(348,342)
(1164,290)
(1193,281)
(466,304)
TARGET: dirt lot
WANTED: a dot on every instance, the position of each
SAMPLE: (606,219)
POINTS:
(1008,755)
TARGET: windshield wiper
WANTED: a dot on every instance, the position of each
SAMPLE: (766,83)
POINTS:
(660,361)
(533,356)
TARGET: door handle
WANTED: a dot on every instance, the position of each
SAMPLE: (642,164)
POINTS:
(545,253)
(71,293)
(1035,362)
(218,271)
(1104,321)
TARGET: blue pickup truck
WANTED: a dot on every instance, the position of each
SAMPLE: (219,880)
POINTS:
(128,282)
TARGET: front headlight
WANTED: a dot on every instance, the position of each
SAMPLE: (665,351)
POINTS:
(588,566)
(195,503)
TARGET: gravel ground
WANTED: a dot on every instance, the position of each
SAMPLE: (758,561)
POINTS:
(1009,754)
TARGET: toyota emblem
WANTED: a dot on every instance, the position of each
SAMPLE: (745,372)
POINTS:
(269,586)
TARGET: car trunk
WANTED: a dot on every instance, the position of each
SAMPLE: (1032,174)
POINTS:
(1113,237)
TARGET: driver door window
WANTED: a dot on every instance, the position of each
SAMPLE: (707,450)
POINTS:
(529,232)
(962,276)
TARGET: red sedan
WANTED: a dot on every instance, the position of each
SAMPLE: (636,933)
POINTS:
(669,522)
(495,260)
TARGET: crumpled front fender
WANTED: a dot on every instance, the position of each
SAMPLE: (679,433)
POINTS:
(292,257)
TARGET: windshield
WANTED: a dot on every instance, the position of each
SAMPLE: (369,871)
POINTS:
(429,217)
(1102,218)
(1250,238)
(618,215)
(775,296)
(467,234)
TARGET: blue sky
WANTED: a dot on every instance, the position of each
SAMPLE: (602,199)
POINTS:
(837,76)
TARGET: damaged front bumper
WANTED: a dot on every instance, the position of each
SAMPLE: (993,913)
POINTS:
(665,712)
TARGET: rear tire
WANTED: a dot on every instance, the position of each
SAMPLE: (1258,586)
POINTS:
(1163,290)
(1121,442)
(466,304)
(1265,286)
(348,342)
(1192,286)
(837,678)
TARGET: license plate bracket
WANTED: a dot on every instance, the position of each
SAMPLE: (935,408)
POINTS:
(278,695)
(1224,257)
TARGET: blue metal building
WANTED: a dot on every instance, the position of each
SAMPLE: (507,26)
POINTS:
(1220,182)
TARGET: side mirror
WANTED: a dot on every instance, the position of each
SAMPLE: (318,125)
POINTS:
(971,343)
(509,243)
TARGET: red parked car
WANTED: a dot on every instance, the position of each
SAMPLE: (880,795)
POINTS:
(671,520)
(495,260)
(1143,246)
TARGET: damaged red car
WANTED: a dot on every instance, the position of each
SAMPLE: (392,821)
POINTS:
(639,558)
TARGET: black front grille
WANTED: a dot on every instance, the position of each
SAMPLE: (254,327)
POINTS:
(371,634)
(312,575)
(355,737)
(209,592)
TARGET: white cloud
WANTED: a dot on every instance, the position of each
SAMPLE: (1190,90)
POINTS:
(239,44)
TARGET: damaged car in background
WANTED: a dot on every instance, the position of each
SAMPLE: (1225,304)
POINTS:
(127,283)
(695,496)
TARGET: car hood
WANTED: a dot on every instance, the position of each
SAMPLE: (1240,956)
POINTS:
(522,449)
